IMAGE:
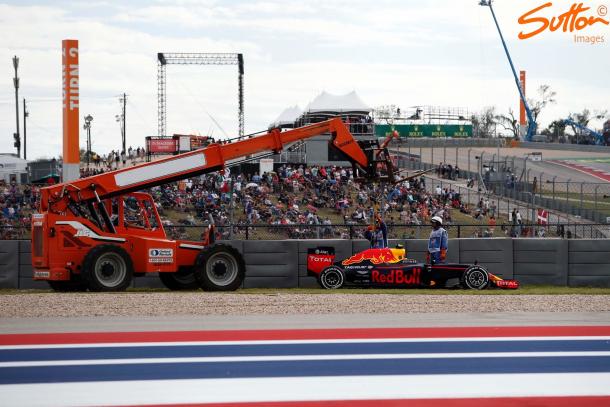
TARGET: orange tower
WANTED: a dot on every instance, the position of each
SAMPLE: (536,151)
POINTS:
(71,98)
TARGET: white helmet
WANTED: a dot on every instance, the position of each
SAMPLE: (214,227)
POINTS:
(437,219)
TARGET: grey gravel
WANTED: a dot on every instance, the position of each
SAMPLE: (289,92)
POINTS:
(200,303)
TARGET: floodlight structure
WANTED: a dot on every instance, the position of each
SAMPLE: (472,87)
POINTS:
(87,126)
(180,58)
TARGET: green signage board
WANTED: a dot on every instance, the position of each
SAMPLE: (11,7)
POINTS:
(425,130)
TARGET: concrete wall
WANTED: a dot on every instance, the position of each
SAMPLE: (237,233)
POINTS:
(538,261)
(448,142)
(282,263)
(9,264)
(494,254)
(589,262)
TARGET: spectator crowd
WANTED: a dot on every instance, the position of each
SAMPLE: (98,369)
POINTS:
(299,201)
(296,198)
(113,161)
(17,204)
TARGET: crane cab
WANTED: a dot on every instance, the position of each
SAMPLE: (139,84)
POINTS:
(127,234)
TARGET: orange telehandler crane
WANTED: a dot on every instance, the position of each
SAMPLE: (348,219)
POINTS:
(98,232)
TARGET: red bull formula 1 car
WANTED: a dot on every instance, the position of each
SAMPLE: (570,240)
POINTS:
(391,268)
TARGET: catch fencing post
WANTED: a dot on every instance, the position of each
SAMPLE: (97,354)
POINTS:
(568,191)
(581,192)
(534,214)
(596,187)
(232,204)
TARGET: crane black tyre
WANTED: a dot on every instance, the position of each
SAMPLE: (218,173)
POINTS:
(219,268)
(331,278)
(107,268)
(183,279)
(475,278)
(75,284)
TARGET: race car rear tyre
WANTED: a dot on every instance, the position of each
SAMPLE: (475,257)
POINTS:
(331,278)
(183,279)
(107,268)
(220,268)
(475,278)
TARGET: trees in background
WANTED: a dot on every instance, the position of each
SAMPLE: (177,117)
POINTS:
(484,123)
(555,131)
(546,96)
(510,123)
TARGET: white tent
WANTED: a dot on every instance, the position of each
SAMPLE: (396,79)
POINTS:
(348,103)
(288,116)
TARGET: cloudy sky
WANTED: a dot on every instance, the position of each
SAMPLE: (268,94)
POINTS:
(438,52)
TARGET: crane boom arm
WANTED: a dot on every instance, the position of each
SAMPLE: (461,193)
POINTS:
(599,138)
(56,198)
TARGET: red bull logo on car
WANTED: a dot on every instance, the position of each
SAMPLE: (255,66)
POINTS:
(398,276)
(376,256)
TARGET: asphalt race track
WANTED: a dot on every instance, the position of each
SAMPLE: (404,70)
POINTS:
(552,164)
(415,366)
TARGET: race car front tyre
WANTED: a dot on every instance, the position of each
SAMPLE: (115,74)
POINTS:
(475,278)
(331,278)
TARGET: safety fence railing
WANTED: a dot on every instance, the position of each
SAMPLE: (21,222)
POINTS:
(358,231)
(395,231)
(518,178)
(528,208)
(592,201)
(514,178)
(14,232)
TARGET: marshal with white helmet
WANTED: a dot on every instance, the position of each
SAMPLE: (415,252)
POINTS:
(437,219)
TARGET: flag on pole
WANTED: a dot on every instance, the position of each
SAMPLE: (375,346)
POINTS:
(543,217)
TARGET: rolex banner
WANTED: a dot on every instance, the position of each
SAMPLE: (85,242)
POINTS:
(425,130)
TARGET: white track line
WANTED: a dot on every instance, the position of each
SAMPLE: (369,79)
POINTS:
(306,389)
(305,342)
(578,169)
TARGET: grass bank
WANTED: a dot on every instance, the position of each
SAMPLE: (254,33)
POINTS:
(527,290)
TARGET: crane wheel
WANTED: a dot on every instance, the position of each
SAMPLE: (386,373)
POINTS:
(107,268)
(183,279)
(220,268)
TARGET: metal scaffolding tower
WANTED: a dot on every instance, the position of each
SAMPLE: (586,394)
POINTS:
(181,58)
